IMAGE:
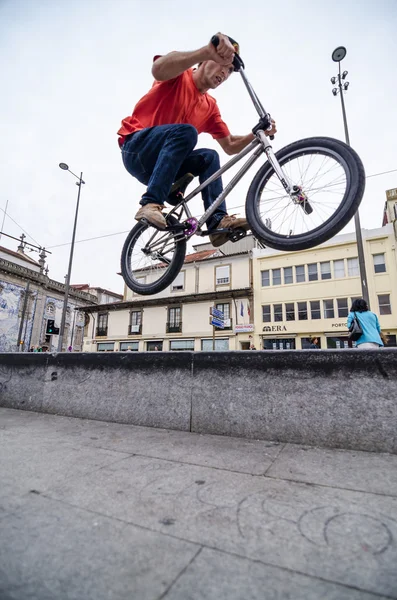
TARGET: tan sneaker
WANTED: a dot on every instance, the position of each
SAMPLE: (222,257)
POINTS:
(228,222)
(152,213)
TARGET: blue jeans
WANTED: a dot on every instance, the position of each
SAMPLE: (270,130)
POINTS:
(158,156)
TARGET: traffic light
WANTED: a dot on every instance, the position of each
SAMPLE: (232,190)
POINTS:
(51,329)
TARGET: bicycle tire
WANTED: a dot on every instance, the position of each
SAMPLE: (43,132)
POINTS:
(355,176)
(170,272)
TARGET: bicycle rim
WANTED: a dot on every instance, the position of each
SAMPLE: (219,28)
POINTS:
(151,258)
(324,178)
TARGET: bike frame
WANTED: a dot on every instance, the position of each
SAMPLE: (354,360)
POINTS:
(260,145)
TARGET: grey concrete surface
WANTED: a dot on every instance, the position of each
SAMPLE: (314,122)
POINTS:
(337,399)
(90,510)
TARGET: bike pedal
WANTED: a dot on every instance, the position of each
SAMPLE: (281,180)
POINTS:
(237,234)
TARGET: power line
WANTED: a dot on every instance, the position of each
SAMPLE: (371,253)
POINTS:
(99,237)
(28,234)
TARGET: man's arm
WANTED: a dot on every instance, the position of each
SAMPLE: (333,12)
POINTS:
(175,63)
(233,144)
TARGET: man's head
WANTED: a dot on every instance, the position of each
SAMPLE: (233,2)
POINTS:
(209,74)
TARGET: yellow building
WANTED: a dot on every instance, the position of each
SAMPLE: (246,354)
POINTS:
(304,295)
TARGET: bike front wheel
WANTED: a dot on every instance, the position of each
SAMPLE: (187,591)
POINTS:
(328,181)
(151,259)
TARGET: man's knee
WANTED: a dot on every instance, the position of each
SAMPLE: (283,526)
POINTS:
(210,156)
(189,134)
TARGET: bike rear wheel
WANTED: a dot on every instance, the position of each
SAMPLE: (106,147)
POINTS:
(151,259)
(330,181)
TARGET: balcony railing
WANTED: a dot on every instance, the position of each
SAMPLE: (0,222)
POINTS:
(101,331)
(173,327)
(135,329)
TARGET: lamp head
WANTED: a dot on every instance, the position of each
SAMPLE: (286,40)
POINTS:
(64,166)
(339,54)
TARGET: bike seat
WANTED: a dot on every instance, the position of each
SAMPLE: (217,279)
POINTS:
(178,189)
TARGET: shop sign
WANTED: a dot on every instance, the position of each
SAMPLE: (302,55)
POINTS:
(244,328)
(272,328)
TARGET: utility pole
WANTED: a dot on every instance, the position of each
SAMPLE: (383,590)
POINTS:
(65,167)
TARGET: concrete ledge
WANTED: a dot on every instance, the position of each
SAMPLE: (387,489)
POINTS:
(339,399)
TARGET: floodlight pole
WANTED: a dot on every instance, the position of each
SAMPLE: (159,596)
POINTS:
(337,56)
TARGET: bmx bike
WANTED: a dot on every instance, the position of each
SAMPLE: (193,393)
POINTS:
(303,195)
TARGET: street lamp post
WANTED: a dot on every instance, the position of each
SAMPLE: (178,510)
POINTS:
(337,56)
(65,302)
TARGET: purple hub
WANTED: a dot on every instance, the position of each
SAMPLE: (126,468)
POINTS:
(193,224)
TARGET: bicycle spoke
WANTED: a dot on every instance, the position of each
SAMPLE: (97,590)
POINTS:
(323,179)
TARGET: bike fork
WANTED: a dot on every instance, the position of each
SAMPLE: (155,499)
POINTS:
(271,157)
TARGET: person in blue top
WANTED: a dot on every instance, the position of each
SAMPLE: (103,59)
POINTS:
(369,324)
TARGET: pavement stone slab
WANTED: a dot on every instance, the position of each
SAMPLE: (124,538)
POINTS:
(236,454)
(215,575)
(342,536)
(27,464)
(51,551)
(348,469)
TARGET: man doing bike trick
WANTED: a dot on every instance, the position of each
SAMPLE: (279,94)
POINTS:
(157,141)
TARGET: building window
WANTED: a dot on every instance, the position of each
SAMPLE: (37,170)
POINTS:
(265,275)
(174,324)
(135,322)
(276,275)
(221,345)
(50,309)
(352,267)
(290,311)
(300,273)
(182,345)
(379,263)
(313,273)
(277,344)
(329,312)
(222,274)
(129,346)
(225,308)
(384,304)
(278,312)
(178,284)
(105,347)
(288,278)
(266,318)
(102,327)
(343,310)
(339,269)
(315,309)
(302,311)
(325,268)
(154,346)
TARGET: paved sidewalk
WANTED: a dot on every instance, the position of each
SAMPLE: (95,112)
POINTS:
(97,511)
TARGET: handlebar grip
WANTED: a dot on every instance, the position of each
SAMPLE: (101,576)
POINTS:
(237,61)
(272,137)
(215,41)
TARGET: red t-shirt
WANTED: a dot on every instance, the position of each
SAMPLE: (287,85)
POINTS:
(176,101)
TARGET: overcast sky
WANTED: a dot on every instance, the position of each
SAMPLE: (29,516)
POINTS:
(70,71)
